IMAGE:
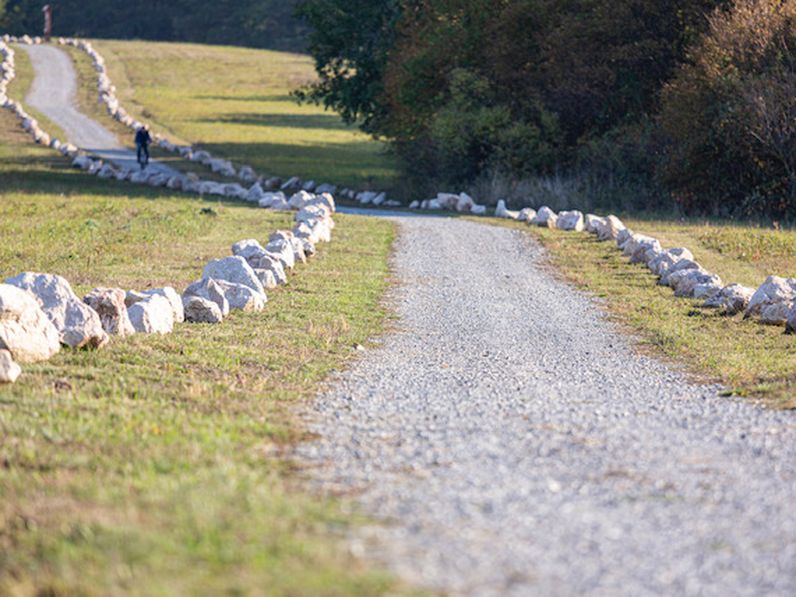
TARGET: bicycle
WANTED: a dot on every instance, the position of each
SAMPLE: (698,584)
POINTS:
(143,157)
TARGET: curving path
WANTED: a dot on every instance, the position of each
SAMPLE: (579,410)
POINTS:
(514,442)
(53,93)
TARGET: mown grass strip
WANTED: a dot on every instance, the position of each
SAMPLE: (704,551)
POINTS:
(153,466)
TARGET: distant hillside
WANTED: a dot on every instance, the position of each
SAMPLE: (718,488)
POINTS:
(256,23)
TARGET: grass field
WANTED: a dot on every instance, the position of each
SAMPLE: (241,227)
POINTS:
(235,103)
(751,359)
(153,466)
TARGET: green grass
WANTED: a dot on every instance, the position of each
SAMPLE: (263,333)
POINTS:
(235,103)
(751,359)
(154,466)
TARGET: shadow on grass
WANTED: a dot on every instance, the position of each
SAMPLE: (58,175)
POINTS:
(297,121)
(248,98)
(68,182)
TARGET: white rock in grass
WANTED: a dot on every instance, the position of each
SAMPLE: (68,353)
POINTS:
(210,290)
(791,323)
(685,285)
(133,296)
(665,260)
(235,270)
(478,210)
(526,214)
(250,249)
(200,310)
(545,218)
(465,203)
(326,188)
(255,194)
(283,250)
(154,315)
(267,278)
(731,299)
(571,221)
(243,298)
(109,305)
(593,223)
(777,313)
(174,300)
(683,264)
(25,330)
(9,370)
(502,212)
(271,263)
(775,290)
(610,229)
(301,199)
(269,199)
(639,245)
(78,325)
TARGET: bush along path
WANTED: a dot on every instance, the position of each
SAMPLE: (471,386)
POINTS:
(515,443)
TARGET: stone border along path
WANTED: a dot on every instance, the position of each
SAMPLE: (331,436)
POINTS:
(774,302)
(514,442)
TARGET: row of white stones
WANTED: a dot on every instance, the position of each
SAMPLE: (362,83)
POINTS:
(39,313)
(773,303)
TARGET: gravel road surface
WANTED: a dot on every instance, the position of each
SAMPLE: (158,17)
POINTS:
(513,442)
(53,93)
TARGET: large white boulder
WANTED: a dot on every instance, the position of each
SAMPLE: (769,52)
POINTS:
(25,331)
(154,315)
(731,299)
(110,306)
(250,249)
(174,300)
(283,250)
(777,313)
(593,223)
(78,324)
(242,297)
(545,218)
(570,220)
(210,290)
(665,260)
(527,214)
(235,270)
(610,228)
(9,370)
(791,323)
(502,212)
(255,194)
(682,264)
(774,291)
(638,246)
(301,199)
(686,284)
(201,310)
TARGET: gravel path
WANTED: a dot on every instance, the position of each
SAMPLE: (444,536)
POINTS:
(515,444)
(53,94)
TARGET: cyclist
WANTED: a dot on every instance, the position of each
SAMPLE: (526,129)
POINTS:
(142,141)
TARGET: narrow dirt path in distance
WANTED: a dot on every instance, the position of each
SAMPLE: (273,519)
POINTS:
(53,93)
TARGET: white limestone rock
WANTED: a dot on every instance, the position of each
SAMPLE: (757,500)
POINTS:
(610,228)
(25,330)
(9,370)
(527,214)
(234,270)
(78,325)
(174,300)
(570,221)
(774,291)
(731,299)
(210,290)
(545,218)
(242,297)
(153,315)
(110,306)
(201,310)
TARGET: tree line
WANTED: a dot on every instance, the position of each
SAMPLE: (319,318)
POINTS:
(256,23)
(686,102)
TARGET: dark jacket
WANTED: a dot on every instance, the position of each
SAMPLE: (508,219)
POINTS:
(142,137)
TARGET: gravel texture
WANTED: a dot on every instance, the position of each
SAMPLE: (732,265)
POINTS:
(514,442)
(53,94)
